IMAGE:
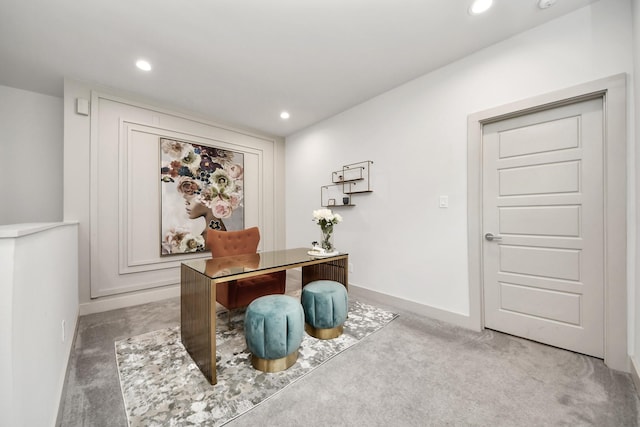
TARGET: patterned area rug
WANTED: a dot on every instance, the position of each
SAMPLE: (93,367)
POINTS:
(162,386)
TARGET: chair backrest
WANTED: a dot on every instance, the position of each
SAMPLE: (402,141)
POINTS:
(227,243)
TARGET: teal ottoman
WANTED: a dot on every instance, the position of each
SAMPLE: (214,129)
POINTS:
(325,305)
(273,331)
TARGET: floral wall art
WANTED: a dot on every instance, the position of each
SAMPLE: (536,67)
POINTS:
(202,187)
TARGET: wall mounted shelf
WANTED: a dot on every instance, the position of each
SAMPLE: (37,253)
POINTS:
(352,179)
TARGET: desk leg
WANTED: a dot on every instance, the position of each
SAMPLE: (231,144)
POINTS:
(337,270)
(198,320)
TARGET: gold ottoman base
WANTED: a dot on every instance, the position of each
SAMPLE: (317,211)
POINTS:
(323,334)
(275,365)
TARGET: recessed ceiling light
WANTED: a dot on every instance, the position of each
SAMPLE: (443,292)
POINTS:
(143,65)
(284,115)
(480,6)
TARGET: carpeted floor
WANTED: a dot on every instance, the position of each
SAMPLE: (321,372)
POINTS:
(162,385)
(416,372)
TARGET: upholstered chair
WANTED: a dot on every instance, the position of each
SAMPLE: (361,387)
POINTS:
(240,293)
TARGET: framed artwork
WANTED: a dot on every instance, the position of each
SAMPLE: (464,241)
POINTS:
(202,188)
(331,202)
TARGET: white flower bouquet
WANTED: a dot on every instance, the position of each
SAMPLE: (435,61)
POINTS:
(326,220)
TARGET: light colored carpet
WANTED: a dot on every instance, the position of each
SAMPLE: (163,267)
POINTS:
(162,386)
(415,371)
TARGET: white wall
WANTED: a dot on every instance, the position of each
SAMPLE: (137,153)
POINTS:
(31,155)
(634,297)
(400,242)
(112,188)
(7,255)
(38,290)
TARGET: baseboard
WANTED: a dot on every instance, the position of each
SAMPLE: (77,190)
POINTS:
(127,300)
(112,303)
(634,374)
(414,307)
(63,391)
(457,319)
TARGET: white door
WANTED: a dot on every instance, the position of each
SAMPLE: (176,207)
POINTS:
(543,201)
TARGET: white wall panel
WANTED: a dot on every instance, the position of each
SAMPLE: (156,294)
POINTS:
(546,262)
(547,304)
(126,191)
(140,196)
(540,179)
(561,221)
(139,199)
(536,139)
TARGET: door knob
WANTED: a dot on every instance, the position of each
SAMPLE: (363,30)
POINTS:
(490,237)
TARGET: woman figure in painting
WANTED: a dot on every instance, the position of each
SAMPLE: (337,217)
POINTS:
(211,185)
(196,209)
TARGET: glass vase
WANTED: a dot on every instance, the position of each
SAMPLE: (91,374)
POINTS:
(326,240)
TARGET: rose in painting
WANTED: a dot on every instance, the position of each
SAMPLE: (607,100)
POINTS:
(187,186)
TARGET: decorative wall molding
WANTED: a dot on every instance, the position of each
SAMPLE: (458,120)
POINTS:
(130,261)
(126,192)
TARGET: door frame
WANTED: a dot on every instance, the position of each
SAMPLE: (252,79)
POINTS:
(613,92)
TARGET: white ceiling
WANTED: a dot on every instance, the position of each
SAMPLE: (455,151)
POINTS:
(243,61)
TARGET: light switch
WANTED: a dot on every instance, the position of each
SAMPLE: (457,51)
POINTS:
(444,201)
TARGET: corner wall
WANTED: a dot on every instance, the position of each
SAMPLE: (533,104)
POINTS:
(31,153)
(400,242)
(634,295)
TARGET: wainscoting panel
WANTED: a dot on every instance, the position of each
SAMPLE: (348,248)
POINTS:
(126,191)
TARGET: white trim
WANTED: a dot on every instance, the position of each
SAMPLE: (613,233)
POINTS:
(128,300)
(236,139)
(126,262)
(613,91)
(414,307)
(12,231)
(634,374)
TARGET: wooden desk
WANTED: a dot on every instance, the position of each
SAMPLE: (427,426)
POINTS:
(198,281)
